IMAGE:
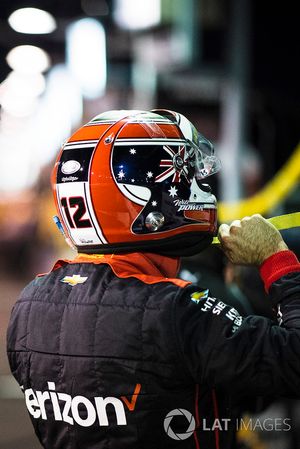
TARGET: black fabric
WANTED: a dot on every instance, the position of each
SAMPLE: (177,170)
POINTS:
(81,341)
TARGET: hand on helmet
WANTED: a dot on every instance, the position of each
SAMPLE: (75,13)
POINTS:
(250,241)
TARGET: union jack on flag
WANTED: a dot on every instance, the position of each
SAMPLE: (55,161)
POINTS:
(176,166)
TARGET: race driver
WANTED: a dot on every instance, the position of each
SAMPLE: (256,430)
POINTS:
(111,350)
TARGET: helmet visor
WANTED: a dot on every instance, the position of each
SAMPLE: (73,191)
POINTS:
(200,151)
(206,162)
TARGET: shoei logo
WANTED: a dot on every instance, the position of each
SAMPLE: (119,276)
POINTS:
(179,412)
(70,167)
(73,280)
(79,409)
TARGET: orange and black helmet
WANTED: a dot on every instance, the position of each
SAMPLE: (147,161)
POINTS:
(133,181)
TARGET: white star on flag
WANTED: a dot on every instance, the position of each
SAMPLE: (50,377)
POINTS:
(121,174)
(149,174)
(154,203)
(132,151)
(173,191)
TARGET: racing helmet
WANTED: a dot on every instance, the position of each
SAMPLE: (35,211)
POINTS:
(134,181)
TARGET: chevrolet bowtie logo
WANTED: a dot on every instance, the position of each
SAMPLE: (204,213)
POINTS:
(74,280)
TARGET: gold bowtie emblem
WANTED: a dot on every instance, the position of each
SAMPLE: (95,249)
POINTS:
(74,280)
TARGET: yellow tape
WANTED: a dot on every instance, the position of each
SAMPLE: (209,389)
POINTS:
(267,198)
(286,221)
(280,222)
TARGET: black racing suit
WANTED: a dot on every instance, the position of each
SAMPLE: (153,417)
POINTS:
(111,356)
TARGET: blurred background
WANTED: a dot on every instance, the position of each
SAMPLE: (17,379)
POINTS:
(228,65)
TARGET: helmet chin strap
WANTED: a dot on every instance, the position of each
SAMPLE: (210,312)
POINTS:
(280,222)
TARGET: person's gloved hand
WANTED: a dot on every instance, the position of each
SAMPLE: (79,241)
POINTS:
(250,241)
